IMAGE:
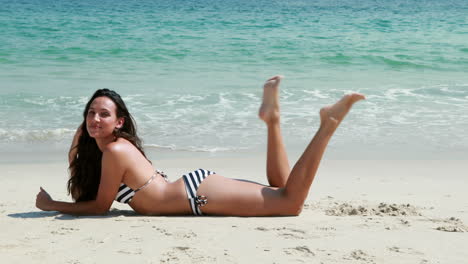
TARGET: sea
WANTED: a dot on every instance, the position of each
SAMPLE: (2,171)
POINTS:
(191,73)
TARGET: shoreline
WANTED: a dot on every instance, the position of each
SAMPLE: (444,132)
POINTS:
(44,153)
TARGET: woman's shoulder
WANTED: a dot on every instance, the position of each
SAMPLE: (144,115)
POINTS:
(120,146)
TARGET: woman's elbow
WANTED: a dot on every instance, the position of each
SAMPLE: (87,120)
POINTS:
(100,209)
(100,212)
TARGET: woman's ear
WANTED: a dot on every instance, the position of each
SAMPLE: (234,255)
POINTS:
(120,123)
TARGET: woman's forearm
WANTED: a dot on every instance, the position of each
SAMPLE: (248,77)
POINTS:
(95,207)
(79,208)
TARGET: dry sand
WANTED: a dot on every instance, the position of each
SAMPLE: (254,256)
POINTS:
(357,212)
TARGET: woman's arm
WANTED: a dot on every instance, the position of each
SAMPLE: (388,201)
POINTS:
(111,176)
(73,147)
(46,203)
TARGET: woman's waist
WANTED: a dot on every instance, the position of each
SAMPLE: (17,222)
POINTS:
(161,198)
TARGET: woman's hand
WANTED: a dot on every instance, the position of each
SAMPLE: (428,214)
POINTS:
(44,201)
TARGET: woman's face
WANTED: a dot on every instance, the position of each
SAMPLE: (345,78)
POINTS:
(101,119)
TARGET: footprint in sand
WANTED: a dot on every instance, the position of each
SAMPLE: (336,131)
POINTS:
(292,233)
(161,231)
(452,228)
(360,256)
(180,234)
(286,232)
(130,252)
(405,250)
(302,251)
(182,254)
(184,234)
(64,231)
(261,228)
(135,239)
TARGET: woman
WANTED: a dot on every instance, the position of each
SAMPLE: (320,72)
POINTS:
(107,162)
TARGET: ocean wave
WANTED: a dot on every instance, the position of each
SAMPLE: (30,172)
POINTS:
(317,93)
(49,101)
(194,148)
(398,62)
(40,135)
(225,120)
(338,59)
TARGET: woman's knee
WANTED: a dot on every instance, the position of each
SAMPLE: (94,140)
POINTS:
(294,209)
(290,205)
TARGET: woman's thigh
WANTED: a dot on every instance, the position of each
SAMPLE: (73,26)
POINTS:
(241,198)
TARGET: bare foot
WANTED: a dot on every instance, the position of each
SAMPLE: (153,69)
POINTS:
(269,110)
(335,113)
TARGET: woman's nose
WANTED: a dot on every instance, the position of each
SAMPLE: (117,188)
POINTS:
(96,117)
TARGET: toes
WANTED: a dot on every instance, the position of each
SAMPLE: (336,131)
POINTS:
(275,78)
(358,96)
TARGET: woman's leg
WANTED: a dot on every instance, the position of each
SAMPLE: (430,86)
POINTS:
(303,173)
(277,160)
(230,197)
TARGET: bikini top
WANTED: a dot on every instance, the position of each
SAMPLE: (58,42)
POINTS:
(125,193)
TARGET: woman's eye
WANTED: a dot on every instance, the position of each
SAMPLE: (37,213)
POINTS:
(105,114)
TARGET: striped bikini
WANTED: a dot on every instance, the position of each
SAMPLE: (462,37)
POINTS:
(125,193)
(192,181)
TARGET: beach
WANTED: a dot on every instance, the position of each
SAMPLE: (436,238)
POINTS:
(392,185)
(358,211)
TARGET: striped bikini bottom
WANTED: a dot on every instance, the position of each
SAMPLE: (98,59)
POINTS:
(192,181)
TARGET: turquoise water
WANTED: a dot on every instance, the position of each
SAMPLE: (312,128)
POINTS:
(191,72)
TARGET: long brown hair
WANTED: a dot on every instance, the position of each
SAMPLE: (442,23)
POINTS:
(85,169)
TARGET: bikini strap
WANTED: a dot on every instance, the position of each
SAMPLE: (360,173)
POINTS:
(148,182)
(162,174)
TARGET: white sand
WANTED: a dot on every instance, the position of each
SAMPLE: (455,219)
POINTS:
(342,222)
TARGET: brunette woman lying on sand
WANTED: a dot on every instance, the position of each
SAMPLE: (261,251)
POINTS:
(107,163)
